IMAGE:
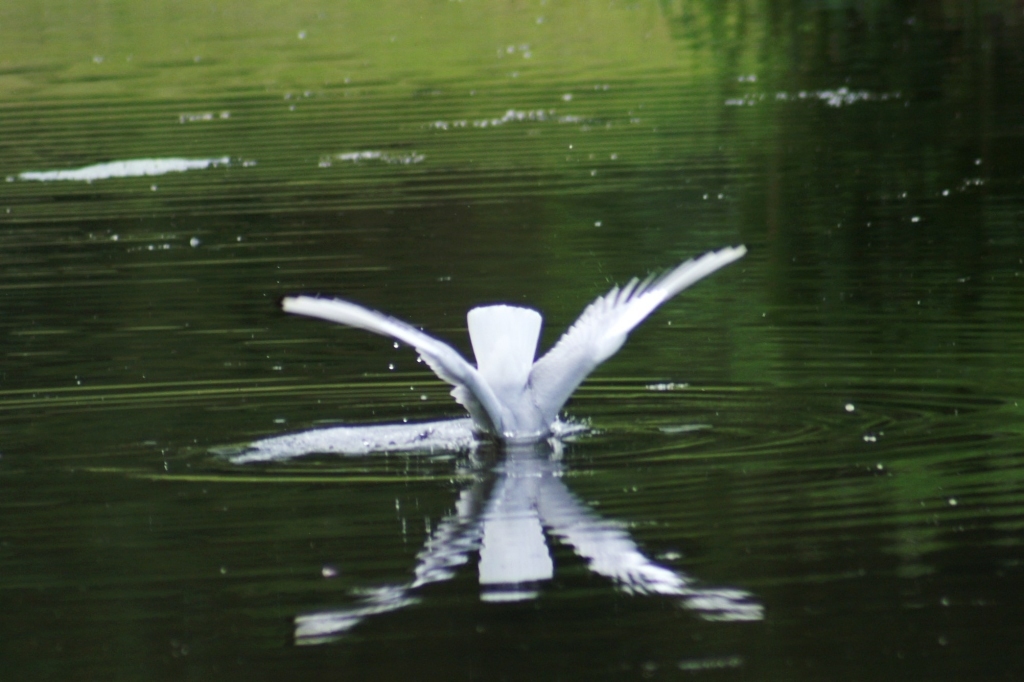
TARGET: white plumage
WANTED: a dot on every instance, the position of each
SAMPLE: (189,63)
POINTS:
(508,394)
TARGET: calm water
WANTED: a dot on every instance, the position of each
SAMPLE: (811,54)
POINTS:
(830,430)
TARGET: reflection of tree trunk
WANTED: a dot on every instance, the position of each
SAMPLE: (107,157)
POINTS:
(773,190)
(985,79)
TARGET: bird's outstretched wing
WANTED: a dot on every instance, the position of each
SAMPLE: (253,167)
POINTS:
(470,389)
(604,325)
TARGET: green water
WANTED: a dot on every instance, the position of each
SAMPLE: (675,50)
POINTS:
(833,425)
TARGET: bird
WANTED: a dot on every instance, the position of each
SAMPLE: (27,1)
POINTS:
(510,396)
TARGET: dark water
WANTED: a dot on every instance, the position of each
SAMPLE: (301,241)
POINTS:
(832,426)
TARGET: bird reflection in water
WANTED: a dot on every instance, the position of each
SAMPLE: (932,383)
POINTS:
(505,513)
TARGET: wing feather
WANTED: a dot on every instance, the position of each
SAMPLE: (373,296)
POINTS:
(604,325)
(470,388)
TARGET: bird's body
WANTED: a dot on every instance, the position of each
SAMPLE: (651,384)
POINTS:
(508,394)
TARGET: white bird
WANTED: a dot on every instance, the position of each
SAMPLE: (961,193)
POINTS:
(509,395)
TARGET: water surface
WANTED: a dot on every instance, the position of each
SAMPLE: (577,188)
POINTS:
(831,426)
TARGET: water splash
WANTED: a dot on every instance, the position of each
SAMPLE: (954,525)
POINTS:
(454,435)
(443,436)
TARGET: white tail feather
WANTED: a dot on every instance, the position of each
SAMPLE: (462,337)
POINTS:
(504,342)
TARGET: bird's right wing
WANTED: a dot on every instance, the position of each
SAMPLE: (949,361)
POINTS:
(604,325)
(470,389)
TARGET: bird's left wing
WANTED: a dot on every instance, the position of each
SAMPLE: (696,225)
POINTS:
(604,325)
(470,388)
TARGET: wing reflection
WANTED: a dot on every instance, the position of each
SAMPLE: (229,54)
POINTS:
(504,515)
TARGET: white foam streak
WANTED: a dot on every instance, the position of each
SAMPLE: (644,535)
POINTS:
(132,168)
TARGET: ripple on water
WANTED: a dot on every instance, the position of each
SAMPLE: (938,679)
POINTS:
(798,485)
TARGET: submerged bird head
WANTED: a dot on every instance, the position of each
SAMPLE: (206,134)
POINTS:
(508,394)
